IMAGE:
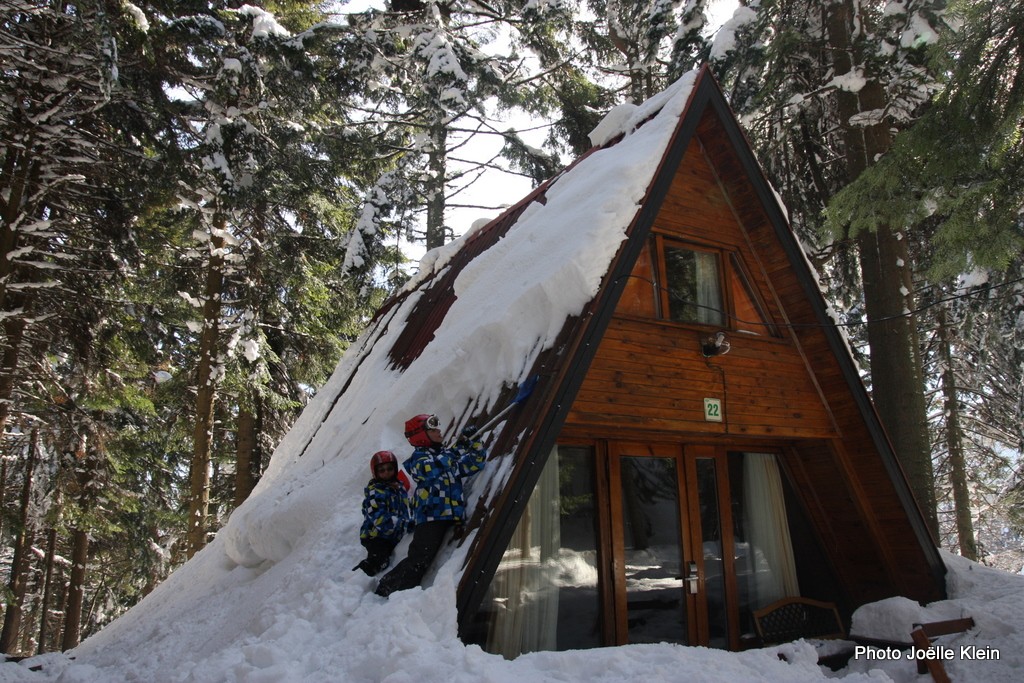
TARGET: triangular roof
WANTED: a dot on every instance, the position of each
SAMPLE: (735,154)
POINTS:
(539,285)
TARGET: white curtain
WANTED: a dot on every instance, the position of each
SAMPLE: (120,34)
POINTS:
(528,618)
(709,298)
(771,548)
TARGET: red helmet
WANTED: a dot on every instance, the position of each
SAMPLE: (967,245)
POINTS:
(416,429)
(381,457)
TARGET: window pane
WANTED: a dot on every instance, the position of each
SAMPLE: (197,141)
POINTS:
(639,297)
(544,594)
(765,565)
(655,602)
(693,286)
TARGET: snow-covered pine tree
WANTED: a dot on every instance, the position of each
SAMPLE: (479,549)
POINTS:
(68,153)
(656,40)
(960,164)
(294,160)
(958,170)
(56,158)
(264,162)
(975,368)
(436,72)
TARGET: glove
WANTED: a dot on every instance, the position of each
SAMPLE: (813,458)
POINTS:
(466,436)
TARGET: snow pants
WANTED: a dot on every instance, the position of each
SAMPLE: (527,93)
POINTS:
(427,540)
(378,555)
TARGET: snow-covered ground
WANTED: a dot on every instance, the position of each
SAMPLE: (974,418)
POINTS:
(273,599)
(330,627)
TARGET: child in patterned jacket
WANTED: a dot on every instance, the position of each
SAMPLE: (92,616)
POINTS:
(385,512)
(438,502)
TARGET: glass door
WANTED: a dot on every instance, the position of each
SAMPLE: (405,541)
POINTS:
(667,534)
(656,605)
(707,478)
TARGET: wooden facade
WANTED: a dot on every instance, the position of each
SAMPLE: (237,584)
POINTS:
(628,385)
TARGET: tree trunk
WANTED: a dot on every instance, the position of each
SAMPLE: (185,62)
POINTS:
(19,563)
(3,494)
(955,446)
(206,380)
(20,175)
(153,572)
(76,591)
(14,332)
(248,424)
(246,454)
(438,162)
(44,608)
(896,367)
(60,596)
(30,614)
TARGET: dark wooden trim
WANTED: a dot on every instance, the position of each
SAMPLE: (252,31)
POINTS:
(730,587)
(618,577)
(694,535)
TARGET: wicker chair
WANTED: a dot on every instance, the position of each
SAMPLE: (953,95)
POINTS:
(794,618)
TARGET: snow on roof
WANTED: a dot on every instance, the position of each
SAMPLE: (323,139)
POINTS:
(511,303)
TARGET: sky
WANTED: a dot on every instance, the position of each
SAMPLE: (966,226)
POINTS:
(274,599)
(495,189)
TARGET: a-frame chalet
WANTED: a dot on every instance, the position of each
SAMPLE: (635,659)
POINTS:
(699,443)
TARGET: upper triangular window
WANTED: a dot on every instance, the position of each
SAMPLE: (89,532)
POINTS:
(749,312)
(696,285)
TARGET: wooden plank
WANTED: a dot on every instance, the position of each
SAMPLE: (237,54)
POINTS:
(737,412)
(654,372)
(830,509)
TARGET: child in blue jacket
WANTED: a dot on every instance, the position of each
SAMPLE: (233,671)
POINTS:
(385,512)
(438,502)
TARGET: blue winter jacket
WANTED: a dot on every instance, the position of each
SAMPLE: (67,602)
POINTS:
(438,473)
(385,511)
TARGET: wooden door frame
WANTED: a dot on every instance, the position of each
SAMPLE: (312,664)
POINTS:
(607,561)
(719,454)
(616,449)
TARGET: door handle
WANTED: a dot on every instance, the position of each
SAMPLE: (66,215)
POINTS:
(693,579)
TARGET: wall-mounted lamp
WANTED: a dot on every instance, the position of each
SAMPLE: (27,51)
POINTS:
(715,345)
